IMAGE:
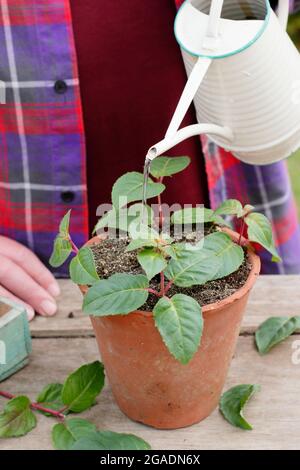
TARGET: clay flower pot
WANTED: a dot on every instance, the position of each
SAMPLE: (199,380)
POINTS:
(148,384)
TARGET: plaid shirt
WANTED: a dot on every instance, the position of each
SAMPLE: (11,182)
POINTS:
(42,142)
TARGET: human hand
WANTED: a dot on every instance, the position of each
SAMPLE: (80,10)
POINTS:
(25,279)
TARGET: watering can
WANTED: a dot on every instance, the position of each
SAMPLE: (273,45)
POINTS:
(244,78)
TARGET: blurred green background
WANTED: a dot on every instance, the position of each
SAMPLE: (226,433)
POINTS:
(294,161)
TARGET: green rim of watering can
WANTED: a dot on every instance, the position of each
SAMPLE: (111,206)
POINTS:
(237,51)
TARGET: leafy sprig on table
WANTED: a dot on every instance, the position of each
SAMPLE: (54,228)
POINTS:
(77,394)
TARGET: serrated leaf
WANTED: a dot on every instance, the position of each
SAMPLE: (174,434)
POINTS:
(179,321)
(50,397)
(17,419)
(120,294)
(152,262)
(233,401)
(83,386)
(61,251)
(129,188)
(192,267)
(230,207)
(107,440)
(65,435)
(274,331)
(82,267)
(168,166)
(260,231)
(230,254)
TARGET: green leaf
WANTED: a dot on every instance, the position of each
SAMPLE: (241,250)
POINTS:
(260,231)
(169,251)
(196,215)
(50,397)
(168,166)
(152,262)
(120,294)
(114,219)
(107,440)
(179,321)
(138,231)
(64,225)
(274,331)
(144,236)
(129,188)
(136,212)
(230,207)
(83,386)
(247,209)
(82,267)
(61,251)
(122,218)
(192,215)
(140,243)
(230,254)
(62,246)
(65,435)
(17,419)
(192,267)
(233,401)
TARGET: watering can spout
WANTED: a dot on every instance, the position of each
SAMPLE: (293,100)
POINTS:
(185,133)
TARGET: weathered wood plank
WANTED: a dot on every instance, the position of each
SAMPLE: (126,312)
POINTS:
(274,412)
(271,296)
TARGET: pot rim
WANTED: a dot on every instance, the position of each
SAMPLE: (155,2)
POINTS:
(219,305)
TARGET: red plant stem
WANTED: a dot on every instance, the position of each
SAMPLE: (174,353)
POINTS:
(242,231)
(168,287)
(74,247)
(162,284)
(35,406)
(154,292)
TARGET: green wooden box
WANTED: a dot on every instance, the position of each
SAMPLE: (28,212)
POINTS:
(15,339)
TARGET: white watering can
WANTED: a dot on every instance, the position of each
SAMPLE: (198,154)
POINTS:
(244,78)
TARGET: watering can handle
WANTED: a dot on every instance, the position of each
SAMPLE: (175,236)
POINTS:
(283,12)
(196,76)
(198,73)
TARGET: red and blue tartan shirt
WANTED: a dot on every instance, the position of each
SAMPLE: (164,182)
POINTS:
(42,141)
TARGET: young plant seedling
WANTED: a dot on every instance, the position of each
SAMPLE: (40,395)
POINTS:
(178,318)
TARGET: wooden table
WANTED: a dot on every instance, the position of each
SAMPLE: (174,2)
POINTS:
(63,343)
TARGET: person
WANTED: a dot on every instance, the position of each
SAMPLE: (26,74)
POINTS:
(90,86)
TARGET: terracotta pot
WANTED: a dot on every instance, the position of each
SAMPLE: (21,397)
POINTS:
(149,385)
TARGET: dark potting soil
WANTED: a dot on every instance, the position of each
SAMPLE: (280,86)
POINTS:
(111,257)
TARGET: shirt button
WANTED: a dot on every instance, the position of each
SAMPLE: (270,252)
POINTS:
(67,196)
(60,87)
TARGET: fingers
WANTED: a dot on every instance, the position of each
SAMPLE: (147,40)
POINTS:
(9,295)
(30,263)
(16,280)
